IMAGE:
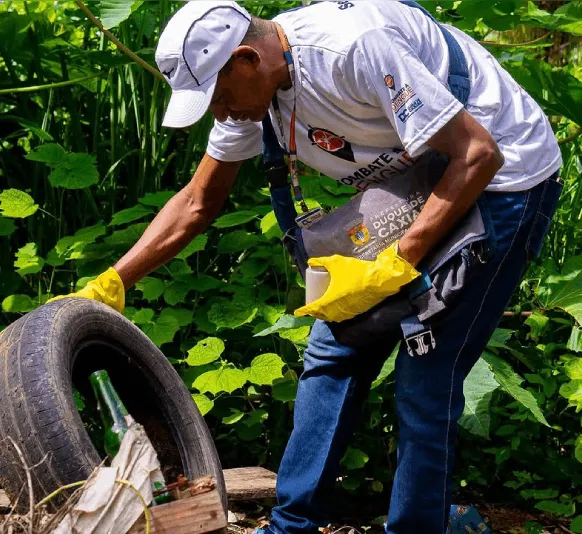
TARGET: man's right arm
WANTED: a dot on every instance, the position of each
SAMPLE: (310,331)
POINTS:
(186,215)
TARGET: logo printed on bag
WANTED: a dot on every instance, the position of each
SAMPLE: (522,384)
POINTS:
(389,81)
(359,234)
(331,143)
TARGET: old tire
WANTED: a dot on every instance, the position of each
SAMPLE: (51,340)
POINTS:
(45,353)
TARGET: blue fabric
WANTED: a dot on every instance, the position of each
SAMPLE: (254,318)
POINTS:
(429,389)
(466,520)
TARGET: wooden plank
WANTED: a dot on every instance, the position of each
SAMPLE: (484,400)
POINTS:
(247,483)
(201,514)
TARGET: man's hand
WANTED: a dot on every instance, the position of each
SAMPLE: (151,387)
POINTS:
(358,285)
(107,288)
(474,160)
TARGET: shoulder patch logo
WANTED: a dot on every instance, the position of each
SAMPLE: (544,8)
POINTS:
(389,81)
(331,143)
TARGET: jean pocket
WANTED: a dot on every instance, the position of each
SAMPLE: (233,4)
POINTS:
(541,223)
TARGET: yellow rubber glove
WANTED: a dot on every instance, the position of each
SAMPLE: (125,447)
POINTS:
(358,285)
(107,288)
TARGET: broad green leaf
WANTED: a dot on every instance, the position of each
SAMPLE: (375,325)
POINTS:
(224,379)
(478,390)
(565,290)
(18,304)
(28,261)
(355,458)
(33,127)
(265,369)
(130,215)
(557,508)
(234,219)
(287,322)
(270,226)
(387,368)
(143,316)
(127,236)
(573,369)
(254,267)
(204,283)
(76,171)
(576,525)
(114,12)
(162,330)
(573,392)
(50,154)
(272,314)
(537,323)
(17,204)
(285,389)
(298,336)
(206,351)
(196,245)
(500,337)
(540,494)
(237,241)
(578,448)
(157,200)
(574,342)
(234,417)
(232,314)
(511,382)
(152,288)
(7,227)
(183,316)
(176,293)
(203,403)
(72,247)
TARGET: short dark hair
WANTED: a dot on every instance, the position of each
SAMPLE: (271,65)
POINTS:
(259,29)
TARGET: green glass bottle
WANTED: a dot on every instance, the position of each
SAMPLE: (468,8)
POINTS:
(111,410)
(113,414)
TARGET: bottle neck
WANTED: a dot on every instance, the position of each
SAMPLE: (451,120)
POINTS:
(111,408)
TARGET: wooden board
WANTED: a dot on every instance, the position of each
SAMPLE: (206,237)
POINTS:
(247,483)
(201,514)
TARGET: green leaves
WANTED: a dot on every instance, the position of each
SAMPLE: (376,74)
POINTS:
(224,379)
(564,290)
(232,314)
(237,241)
(478,390)
(27,260)
(71,170)
(114,12)
(206,351)
(203,403)
(265,369)
(18,304)
(130,215)
(287,322)
(7,227)
(355,458)
(511,382)
(234,219)
(157,200)
(196,245)
(17,204)
(161,330)
(152,288)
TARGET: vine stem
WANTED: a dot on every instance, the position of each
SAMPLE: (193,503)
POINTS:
(55,85)
(513,45)
(118,43)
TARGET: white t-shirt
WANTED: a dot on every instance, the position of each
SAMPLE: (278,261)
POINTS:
(371,79)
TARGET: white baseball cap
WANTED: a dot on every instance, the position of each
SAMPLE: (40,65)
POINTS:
(196,43)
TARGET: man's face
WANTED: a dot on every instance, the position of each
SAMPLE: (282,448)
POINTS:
(242,92)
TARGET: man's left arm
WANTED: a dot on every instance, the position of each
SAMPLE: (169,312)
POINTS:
(474,160)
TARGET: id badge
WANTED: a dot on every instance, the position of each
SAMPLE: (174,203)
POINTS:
(307,219)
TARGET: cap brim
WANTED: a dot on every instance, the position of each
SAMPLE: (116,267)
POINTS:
(187,107)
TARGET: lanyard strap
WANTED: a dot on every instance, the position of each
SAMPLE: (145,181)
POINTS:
(292,151)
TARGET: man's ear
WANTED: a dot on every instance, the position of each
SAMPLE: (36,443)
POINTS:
(249,54)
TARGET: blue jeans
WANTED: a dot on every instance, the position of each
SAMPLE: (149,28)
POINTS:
(429,389)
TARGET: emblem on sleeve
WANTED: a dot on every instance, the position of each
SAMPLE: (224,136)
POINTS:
(331,143)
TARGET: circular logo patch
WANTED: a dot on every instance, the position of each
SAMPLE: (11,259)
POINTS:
(328,141)
(389,81)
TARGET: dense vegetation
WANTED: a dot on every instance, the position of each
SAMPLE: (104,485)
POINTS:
(85,165)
